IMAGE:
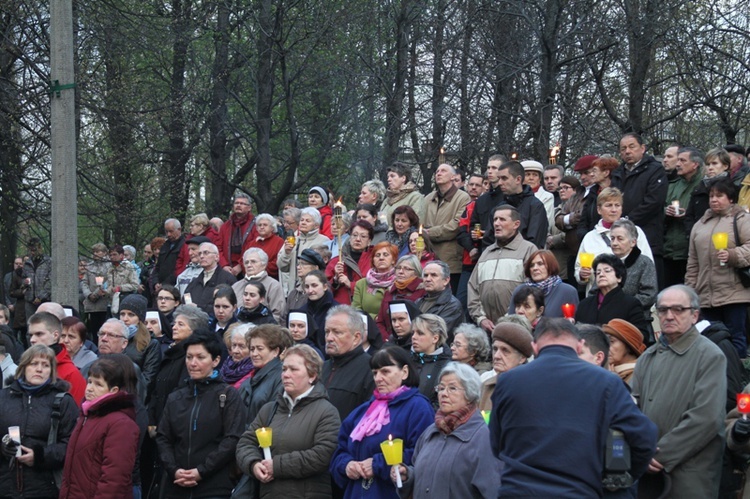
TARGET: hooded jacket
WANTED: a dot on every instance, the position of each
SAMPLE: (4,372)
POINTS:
(102,450)
(534,222)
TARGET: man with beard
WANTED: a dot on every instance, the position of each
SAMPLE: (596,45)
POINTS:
(234,232)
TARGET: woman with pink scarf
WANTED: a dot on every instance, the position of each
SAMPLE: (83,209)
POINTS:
(369,292)
(398,410)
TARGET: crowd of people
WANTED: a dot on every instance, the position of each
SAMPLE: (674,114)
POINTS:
(528,331)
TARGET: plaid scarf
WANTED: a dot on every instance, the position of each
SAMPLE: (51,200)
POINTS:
(447,423)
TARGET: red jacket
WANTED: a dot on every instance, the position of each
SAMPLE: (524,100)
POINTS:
(326,214)
(465,224)
(342,294)
(271,245)
(413,292)
(102,450)
(69,372)
(225,239)
(184,257)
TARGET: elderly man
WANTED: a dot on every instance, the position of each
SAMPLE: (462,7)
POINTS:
(45,329)
(680,384)
(235,232)
(689,171)
(193,268)
(201,289)
(346,373)
(551,420)
(255,261)
(169,264)
(439,299)
(738,168)
(443,209)
(309,223)
(267,240)
(499,270)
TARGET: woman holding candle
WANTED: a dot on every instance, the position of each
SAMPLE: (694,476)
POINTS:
(407,285)
(27,404)
(102,450)
(202,422)
(453,457)
(404,221)
(610,301)
(712,272)
(430,351)
(308,237)
(427,254)
(304,429)
(625,346)
(598,240)
(543,272)
(470,346)
(369,292)
(352,264)
(396,409)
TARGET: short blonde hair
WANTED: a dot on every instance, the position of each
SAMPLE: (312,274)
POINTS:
(313,362)
(32,353)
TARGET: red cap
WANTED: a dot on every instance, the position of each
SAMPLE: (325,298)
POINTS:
(585,162)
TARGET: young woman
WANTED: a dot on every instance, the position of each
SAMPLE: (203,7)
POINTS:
(225,309)
(319,300)
(253,309)
(103,447)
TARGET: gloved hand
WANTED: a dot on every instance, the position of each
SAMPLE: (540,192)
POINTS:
(741,431)
(8,447)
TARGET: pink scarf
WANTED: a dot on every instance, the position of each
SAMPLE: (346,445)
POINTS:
(377,415)
(379,280)
(88,403)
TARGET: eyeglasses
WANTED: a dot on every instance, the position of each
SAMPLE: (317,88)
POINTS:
(607,270)
(676,310)
(405,268)
(451,389)
(564,188)
(165,298)
(457,345)
(104,334)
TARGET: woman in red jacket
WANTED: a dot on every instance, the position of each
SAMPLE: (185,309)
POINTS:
(102,449)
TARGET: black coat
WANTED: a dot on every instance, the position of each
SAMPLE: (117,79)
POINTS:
(589,213)
(261,315)
(172,371)
(429,367)
(33,415)
(616,305)
(349,380)
(482,214)
(720,335)
(202,295)
(165,265)
(644,195)
(262,388)
(201,425)
(534,221)
(448,307)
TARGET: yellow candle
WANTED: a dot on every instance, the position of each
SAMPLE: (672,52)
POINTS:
(265,436)
(720,240)
(393,450)
(586,259)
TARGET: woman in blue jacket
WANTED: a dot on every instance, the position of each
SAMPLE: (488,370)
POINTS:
(397,409)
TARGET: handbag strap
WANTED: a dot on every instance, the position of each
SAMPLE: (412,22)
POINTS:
(55,418)
(736,232)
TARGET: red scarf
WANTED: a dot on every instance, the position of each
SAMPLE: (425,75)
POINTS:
(447,423)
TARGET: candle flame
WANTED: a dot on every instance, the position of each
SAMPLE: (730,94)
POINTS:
(555,150)
(442,150)
(390,439)
(514,156)
(339,203)
(420,229)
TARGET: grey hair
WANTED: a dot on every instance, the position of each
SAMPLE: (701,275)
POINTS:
(434,324)
(261,254)
(269,217)
(629,227)
(129,249)
(210,246)
(413,261)
(467,376)
(376,187)
(694,154)
(194,316)
(241,330)
(242,195)
(175,223)
(292,212)
(313,212)
(353,318)
(445,269)
(118,323)
(478,345)
(555,167)
(695,301)
(200,219)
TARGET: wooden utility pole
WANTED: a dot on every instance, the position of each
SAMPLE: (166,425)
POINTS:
(63,129)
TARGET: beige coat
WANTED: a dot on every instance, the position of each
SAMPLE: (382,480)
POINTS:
(442,214)
(717,285)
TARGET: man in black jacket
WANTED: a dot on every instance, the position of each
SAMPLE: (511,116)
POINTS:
(485,204)
(166,269)
(534,221)
(643,183)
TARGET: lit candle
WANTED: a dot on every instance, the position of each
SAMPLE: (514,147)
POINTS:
(15,435)
(441,158)
(569,310)
(743,404)
(514,156)
(553,154)
(99,280)
(720,240)
(265,436)
(393,452)
(486,416)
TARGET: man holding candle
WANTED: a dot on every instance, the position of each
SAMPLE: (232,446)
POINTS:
(680,384)
(689,171)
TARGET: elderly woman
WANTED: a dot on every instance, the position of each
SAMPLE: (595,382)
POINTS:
(427,254)
(401,192)
(717,166)
(309,236)
(255,262)
(564,243)
(172,370)
(598,240)
(713,273)
(266,343)
(305,428)
(199,226)
(369,292)
(404,221)
(470,346)
(542,272)
(453,457)
(369,213)
(73,338)
(397,409)
(352,264)
(28,403)
(407,285)
(610,301)
(511,347)
(372,192)
(239,366)
(268,240)
(625,346)
(430,352)
(202,422)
